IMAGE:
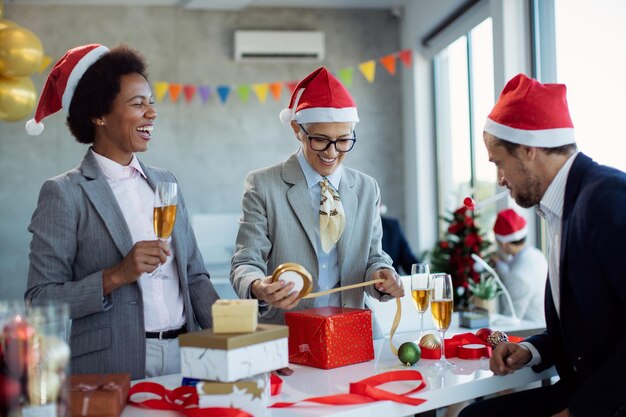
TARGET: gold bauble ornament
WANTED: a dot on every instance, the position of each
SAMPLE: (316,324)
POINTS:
(17,98)
(430,341)
(4,23)
(21,52)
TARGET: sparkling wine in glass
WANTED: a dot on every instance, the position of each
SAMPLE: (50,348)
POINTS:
(420,290)
(165,201)
(441,302)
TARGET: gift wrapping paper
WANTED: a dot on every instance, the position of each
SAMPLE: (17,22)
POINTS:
(330,337)
(250,394)
(98,395)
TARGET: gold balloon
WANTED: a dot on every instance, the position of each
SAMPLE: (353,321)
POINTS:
(4,23)
(20,52)
(17,98)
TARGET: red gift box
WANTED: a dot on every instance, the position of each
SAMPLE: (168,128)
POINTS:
(101,395)
(329,337)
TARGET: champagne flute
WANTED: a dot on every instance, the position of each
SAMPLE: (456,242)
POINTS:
(441,297)
(420,290)
(165,200)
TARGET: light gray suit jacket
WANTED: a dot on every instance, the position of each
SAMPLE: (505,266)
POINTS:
(78,231)
(278,225)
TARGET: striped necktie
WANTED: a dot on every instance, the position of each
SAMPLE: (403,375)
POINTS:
(332,216)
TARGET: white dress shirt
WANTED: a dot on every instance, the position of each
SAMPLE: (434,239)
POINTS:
(550,208)
(328,263)
(162,298)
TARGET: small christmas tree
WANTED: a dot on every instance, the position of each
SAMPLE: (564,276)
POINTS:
(452,253)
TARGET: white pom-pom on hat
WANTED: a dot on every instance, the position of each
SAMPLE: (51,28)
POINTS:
(285,115)
(59,87)
(33,128)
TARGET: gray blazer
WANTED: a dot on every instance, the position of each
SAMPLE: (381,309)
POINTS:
(279,224)
(78,231)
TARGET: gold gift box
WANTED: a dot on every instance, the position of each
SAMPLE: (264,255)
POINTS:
(235,316)
(208,339)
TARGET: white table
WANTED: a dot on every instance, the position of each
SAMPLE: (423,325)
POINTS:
(470,379)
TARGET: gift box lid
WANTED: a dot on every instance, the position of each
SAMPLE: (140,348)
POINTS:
(327,311)
(235,308)
(226,341)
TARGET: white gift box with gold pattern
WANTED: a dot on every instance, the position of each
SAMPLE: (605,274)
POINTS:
(250,394)
(228,357)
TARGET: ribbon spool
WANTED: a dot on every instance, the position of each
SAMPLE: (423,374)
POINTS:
(303,281)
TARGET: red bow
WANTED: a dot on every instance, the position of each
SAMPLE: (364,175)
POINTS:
(367,391)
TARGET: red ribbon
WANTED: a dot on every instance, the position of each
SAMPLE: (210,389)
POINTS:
(185,399)
(276,384)
(455,347)
(452,347)
(367,391)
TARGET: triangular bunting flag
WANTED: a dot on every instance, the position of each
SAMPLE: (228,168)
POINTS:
(406,57)
(276,89)
(368,69)
(261,91)
(174,91)
(223,91)
(160,88)
(243,91)
(189,91)
(291,85)
(389,62)
(204,91)
(345,75)
(45,61)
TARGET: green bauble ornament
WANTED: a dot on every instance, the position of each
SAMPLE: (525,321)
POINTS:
(409,353)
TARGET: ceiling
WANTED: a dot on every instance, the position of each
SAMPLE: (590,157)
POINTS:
(222,4)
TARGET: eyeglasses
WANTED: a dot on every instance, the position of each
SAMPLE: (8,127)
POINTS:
(320,143)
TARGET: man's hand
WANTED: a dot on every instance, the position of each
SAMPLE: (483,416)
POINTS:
(145,256)
(277,294)
(508,357)
(392,284)
(564,413)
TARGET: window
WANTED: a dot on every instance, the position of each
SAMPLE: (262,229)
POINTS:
(591,61)
(464,95)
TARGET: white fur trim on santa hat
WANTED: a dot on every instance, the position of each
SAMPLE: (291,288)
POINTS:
(33,128)
(513,237)
(327,114)
(544,138)
(78,71)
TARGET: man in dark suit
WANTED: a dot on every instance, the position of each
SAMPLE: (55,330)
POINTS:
(395,244)
(530,137)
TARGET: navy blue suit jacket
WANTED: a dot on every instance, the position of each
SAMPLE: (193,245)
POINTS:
(396,245)
(588,342)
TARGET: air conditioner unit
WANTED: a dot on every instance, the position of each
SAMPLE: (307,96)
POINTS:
(278,46)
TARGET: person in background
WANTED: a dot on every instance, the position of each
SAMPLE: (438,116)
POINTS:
(395,244)
(529,136)
(523,268)
(93,243)
(314,211)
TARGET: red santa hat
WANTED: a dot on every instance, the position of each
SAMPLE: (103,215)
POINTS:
(320,97)
(61,83)
(531,113)
(510,226)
